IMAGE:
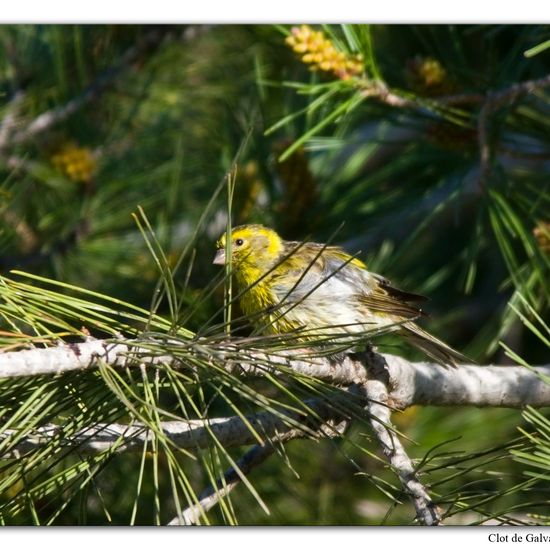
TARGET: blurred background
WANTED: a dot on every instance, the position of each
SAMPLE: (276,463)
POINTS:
(410,145)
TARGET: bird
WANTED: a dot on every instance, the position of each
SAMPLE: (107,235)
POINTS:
(313,290)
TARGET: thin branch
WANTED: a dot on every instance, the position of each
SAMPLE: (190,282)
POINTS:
(213,494)
(496,99)
(385,95)
(427,513)
(149,42)
(492,103)
(231,431)
(254,457)
(9,121)
(460,99)
(509,95)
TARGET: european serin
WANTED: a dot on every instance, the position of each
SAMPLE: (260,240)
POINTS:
(315,290)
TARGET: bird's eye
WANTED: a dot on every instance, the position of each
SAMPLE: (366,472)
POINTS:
(239,242)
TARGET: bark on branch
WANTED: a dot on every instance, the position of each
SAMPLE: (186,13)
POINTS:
(427,513)
(411,383)
(233,431)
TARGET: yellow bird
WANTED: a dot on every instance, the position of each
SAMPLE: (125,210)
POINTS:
(314,290)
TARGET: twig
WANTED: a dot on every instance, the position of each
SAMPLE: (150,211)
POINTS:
(254,457)
(496,99)
(509,95)
(232,431)
(394,100)
(213,494)
(378,408)
(460,99)
(426,511)
(47,119)
(492,103)
(10,118)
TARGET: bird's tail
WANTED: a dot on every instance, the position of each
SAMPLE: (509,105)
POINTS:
(431,346)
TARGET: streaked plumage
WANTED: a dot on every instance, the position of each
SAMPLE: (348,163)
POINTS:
(319,290)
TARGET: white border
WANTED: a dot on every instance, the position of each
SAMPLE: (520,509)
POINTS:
(233,538)
(282,11)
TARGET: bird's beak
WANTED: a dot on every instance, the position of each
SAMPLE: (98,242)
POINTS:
(219,258)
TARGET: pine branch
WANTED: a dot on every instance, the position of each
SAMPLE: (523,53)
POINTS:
(252,458)
(490,102)
(212,495)
(427,512)
(44,121)
(423,383)
(388,381)
(233,431)
(494,99)
(9,121)
(86,355)
(411,383)
(378,407)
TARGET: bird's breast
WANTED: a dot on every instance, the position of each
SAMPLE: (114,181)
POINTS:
(256,299)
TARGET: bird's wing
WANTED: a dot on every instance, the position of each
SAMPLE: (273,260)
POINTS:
(398,293)
(383,297)
(381,301)
(330,274)
(313,269)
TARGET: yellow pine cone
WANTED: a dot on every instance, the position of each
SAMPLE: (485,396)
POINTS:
(77,163)
(427,75)
(320,53)
(542,235)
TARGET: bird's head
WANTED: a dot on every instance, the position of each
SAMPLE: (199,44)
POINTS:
(254,249)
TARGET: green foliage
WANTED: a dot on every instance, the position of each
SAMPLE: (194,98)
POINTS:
(389,162)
